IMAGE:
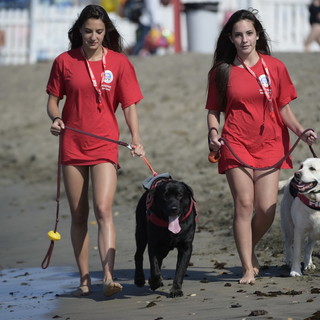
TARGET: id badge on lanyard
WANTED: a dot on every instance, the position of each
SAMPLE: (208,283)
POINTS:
(96,85)
(267,93)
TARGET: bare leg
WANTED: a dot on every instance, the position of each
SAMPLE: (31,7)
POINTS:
(314,35)
(241,185)
(76,185)
(252,190)
(104,181)
(266,192)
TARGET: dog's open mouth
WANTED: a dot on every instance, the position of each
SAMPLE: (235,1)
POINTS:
(303,187)
(174,224)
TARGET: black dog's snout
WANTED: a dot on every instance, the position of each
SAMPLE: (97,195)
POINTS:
(297,175)
(174,209)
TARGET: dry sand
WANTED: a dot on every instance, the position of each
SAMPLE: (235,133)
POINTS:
(173,128)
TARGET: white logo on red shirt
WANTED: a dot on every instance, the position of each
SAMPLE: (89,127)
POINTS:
(108,76)
(264,80)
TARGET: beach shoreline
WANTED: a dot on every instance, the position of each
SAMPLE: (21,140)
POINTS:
(173,129)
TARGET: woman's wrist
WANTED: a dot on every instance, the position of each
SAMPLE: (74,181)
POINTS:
(213,129)
(55,118)
(136,138)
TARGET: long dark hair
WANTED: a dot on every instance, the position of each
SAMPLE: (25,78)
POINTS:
(225,52)
(112,38)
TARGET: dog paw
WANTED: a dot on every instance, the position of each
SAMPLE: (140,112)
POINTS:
(155,283)
(295,273)
(310,266)
(139,279)
(174,293)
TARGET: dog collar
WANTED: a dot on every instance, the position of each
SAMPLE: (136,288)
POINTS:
(315,205)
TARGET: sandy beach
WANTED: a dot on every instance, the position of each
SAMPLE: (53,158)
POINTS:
(174,133)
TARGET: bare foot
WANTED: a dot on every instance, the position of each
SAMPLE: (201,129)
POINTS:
(82,291)
(110,288)
(256,265)
(84,288)
(248,278)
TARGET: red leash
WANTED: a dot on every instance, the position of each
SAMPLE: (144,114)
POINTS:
(54,235)
(215,156)
(121,143)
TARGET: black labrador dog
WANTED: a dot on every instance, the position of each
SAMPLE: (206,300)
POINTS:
(165,219)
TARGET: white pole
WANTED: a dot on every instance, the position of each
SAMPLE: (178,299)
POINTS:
(33,31)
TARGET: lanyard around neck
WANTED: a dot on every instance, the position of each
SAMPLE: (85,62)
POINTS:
(95,84)
(267,93)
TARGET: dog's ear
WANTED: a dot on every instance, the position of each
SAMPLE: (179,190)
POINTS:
(157,195)
(188,197)
(188,189)
(155,192)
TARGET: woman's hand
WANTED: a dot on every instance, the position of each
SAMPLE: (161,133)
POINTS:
(138,150)
(57,126)
(309,137)
(213,138)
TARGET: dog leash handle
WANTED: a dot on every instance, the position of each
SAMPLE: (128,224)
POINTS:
(154,173)
(214,156)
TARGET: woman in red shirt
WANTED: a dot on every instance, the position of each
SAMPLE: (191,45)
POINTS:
(94,77)
(253,89)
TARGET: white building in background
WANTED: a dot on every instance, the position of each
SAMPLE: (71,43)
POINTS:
(286,22)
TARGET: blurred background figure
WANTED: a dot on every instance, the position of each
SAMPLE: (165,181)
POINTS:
(314,20)
(149,33)
(157,41)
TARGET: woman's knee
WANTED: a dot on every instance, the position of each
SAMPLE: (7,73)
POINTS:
(103,213)
(244,203)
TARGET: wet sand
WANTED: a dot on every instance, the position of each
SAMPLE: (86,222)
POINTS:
(173,128)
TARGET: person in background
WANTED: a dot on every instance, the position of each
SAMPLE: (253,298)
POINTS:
(94,77)
(253,90)
(314,20)
(149,19)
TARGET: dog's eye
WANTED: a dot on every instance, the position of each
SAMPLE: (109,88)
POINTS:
(312,169)
(179,196)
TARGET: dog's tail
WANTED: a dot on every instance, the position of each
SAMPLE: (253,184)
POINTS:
(283,183)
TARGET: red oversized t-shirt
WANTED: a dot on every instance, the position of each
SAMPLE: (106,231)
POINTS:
(70,78)
(257,139)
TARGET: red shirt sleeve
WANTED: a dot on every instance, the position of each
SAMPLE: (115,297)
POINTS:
(129,91)
(212,96)
(287,91)
(55,85)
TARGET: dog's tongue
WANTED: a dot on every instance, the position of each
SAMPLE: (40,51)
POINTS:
(174,225)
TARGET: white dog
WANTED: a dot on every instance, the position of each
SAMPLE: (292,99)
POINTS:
(300,215)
